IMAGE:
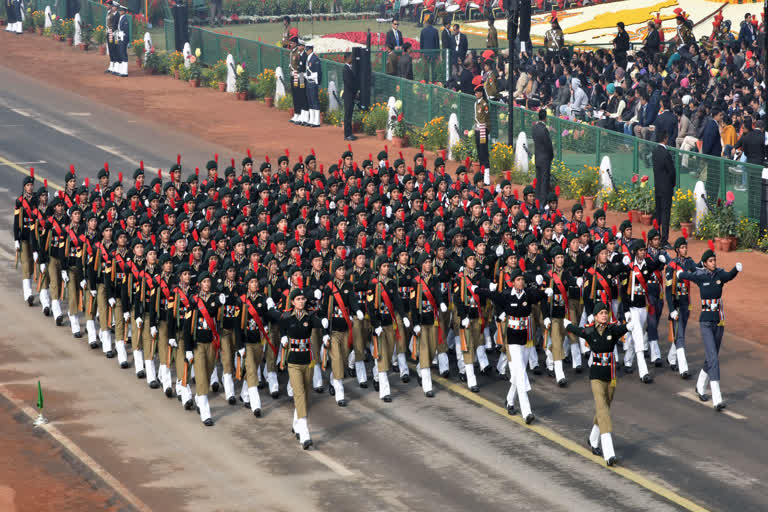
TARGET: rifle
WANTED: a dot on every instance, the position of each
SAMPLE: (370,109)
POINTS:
(238,366)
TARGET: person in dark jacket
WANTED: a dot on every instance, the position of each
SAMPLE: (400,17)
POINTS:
(457,49)
(429,42)
(652,40)
(544,153)
(664,178)
(666,121)
(621,46)
(350,91)
(710,135)
(405,63)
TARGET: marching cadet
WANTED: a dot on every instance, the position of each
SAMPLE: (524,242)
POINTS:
(89,295)
(24,231)
(100,287)
(403,277)
(655,293)
(443,270)
(274,285)
(470,320)
(316,281)
(177,327)
(163,307)
(360,277)
(558,280)
(74,255)
(710,281)
(575,262)
(252,338)
(119,304)
(295,330)
(134,306)
(678,297)
(229,317)
(384,305)
(424,300)
(602,338)
(40,235)
(516,306)
(201,342)
(635,292)
(148,314)
(506,264)
(533,266)
(54,253)
(339,303)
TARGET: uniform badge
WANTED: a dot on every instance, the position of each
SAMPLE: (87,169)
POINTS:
(609,337)
(718,281)
(525,303)
(609,276)
(306,324)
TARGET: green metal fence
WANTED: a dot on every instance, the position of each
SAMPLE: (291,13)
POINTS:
(574,143)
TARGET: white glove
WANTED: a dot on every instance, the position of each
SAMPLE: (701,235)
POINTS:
(627,316)
(241,352)
(93,293)
(549,292)
(739,267)
(172,342)
(566,322)
(465,322)
(678,273)
(389,211)
(591,319)
(406,322)
(82,284)
(318,294)
(502,316)
(42,268)
(317,219)
(547,323)
(111,302)
(332,205)
(499,251)
(473,288)
(284,341)
(127,316)
(64,276)
(625,260)
(416,329)
(539,279)
(579,282)
(34,255)
(443,307)
(360,315)
(378,331)
(270,303)
(492,287)
(222,298)
(153,331)
(618,235)
(18,245)
(326,340)
(189,356)
(139,321)
(662,258)
(487,177)
(674,315)
(324,321)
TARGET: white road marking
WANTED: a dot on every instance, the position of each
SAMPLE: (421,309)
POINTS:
(7,254)
(115,152)
(690,395)
(80,114)
(331,464)
(25,163)
(21,112)
(78,452)
(56,127)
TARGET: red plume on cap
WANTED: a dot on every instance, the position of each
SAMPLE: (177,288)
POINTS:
(141,165)
(614,230)
(407,240)
(460,222)
(72,168)
(248,152)
(581,200)
(312,150)
(109,216)
(301,159)
(605,238)
(471,245)
(443,154)
(45,183)
(216,157)
(655,224)
(349,147)
(266,158)
(685,233)
(87,182)
(111,196)
(589,222)
(284,208)
(211,265)
(197,171)
(440,236)
(389,251)
(106,166)
(421,148)
(317,245)
(533,183)
(645,237)
(559,213)
(273,247)
(522,264)
(232,161)
(557,190)
(711,245)
(400,153)
(346,210)
(516,193)
(363,241)
(178,159)
(629,216)
(421,223)
(509,220)
(537,204)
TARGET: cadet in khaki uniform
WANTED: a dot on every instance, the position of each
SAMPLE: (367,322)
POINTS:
(133,307)
(229,317)
(338,306)
(149,315)
(426,302)
(201,343)
(360,277)
(490,83)
(252,338)
(24,236)
(296,329)
(89,294)
(163,306)
(274,286)
(443,269)
(100,283)
(469,316)
(482,122)
(602,338)
(53,255)
(73,262)
(403,277)
(118,299)
(179,325)
(384,304)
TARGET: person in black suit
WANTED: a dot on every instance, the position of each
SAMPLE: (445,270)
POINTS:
(429,42)
(350,91)
(445,44)
(664,179)
(464,82)
(666,121)
(457,49)
(394,42)
(544,153)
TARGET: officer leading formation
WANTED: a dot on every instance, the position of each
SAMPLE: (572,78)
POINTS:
(340,275)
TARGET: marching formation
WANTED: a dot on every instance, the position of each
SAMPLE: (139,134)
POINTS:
(348,273)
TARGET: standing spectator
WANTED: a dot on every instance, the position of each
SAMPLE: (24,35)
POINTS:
(429,42)
(747,32)
(544,153)
(492,41)
(405,63)
(445,44)
(286,42)
(710,135)
(457,50)
(215,12)
(752,143)
(464,81)
(652,40)
(664,179)
(350,91)
(621,46)
(666,121)
(394,42)
(553,39)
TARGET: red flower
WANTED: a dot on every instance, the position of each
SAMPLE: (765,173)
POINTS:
(644,179)
(399,118)
(634,178)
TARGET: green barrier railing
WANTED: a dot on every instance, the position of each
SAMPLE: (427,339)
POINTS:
(576,144)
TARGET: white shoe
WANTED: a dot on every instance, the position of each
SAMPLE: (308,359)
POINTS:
(90,327)
(607,442)
(122,354)
(426,379)
(149,364)
(360,372)
(338,386)
(402,363)
(229,385)
(253,398)
(717,397)
(443,363)
(205,407)
(383,385)
(26,288)
(682,361)
(138,360)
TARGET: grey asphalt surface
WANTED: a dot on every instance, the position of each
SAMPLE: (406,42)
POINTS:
(446,453)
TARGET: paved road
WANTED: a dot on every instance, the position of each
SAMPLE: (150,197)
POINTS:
(448,453)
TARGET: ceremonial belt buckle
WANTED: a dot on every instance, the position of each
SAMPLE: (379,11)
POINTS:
(517,323)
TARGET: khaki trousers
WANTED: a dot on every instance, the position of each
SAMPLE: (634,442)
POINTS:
(361,336)
(227,351)
(405,335)
(121,331)
(339,353)
(54,277)
(145,343)
(603,392)
(179,354)
(445,323)
(102,305)
(254,355)
(474,337)
(427,340)
(315,340)
(575,307)
(73,290)
(164,355)
(269,355)
(386,344)
(557,332)
(27,261)
(205,358)
(300,376)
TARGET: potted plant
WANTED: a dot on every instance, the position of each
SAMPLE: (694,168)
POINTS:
(220,75)
(398,126)
(68,31)
(588,185)
(39,19)
(434,134)
(241,82)
(683,210)
(375,121)
(98,37)
(195,71)
(502,157)
(152,64)
(465,148)
(265,82)
(138,51)
(719,224)
(86,31)
(175,63)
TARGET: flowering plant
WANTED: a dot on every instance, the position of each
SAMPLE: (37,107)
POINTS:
(375,118)
(265,84)
(176,60)
(502,157)
(243,79)
(195,71)
(586,182)
(465,148)
(138,48)
(719,222)
(220,71)
(434,134)
(683,207)
(38,17)
(397,123)
(99,35)
(68,28)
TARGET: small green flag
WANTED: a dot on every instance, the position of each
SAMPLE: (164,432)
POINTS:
(39,396)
